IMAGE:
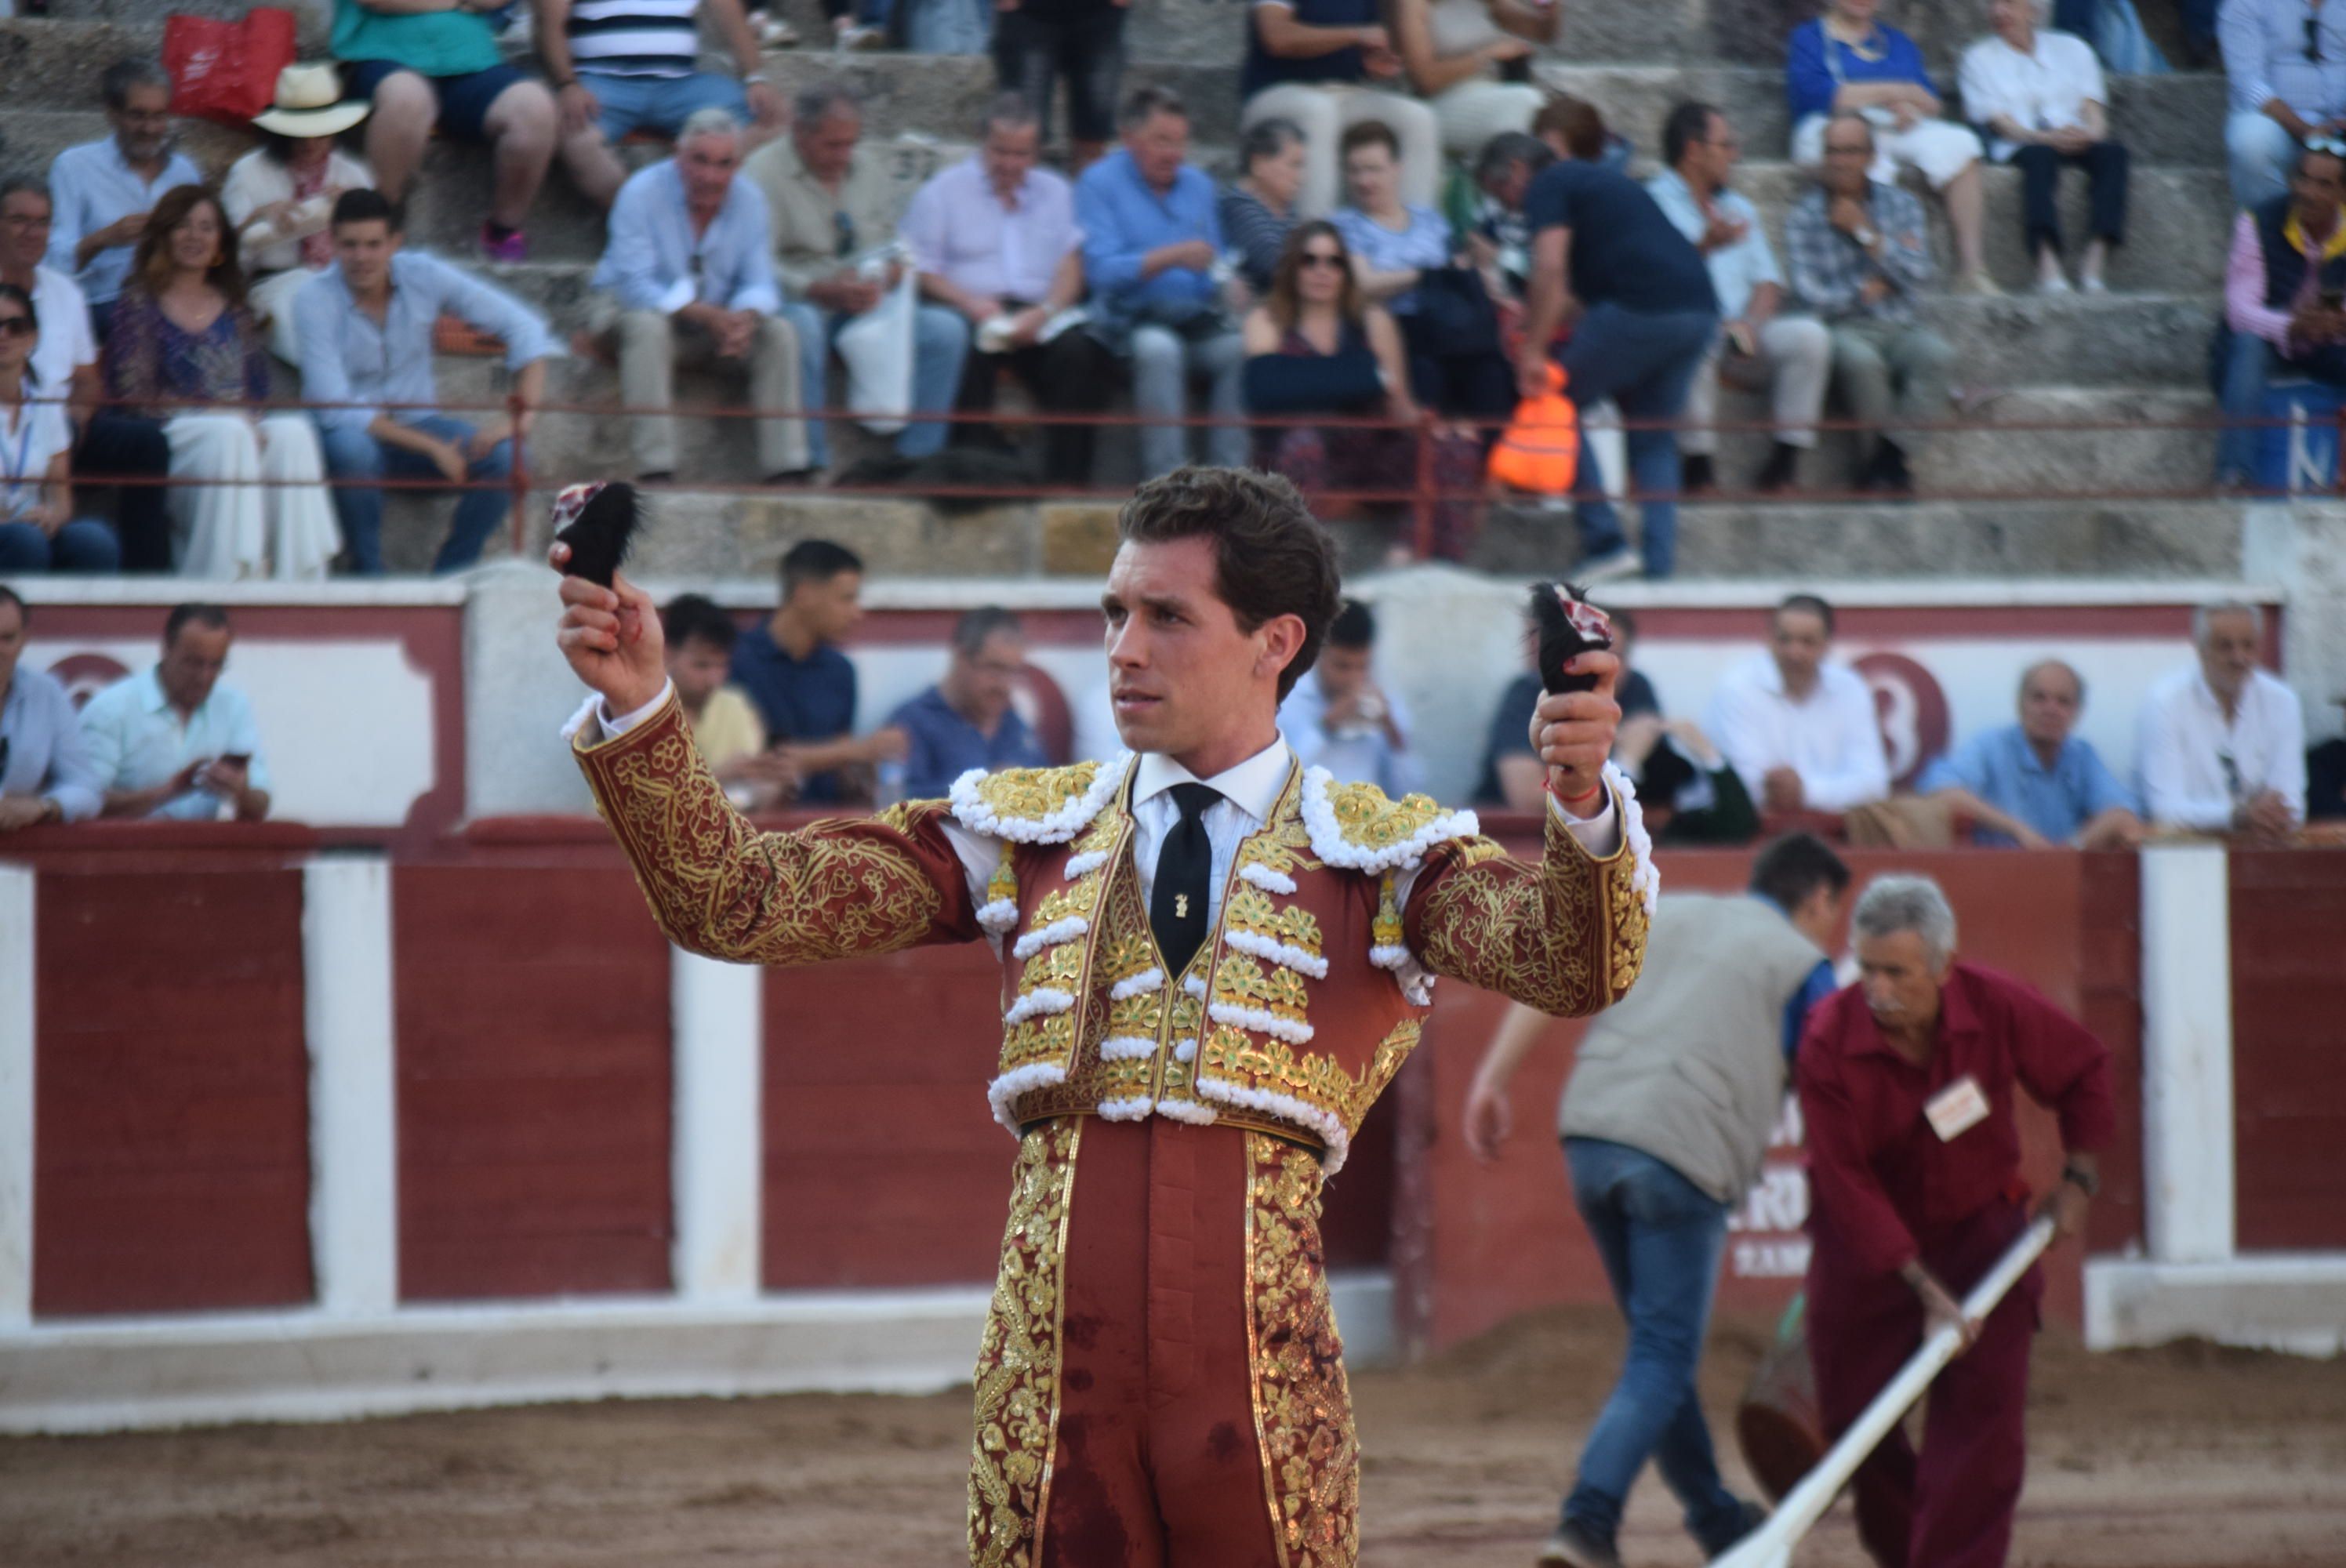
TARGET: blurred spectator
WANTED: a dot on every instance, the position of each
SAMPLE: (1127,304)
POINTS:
(1846,62)
(365,325)
(440,70)
(114,446)
(2285,64)
(1315,347)
(44,769)
(1609,264)
(1039,43)
(2325,780)
(1456,53)
(1402,258)
(687,276)
(104,190)
(622,67)
(2223,743)
(1689,792)
(1512,774)
(1799,728)
(2036,784)
(835,210)
(281,196)
(699,638)
(1151,247)
(172,741)
(251,502)
(1259,209)
(1339,717)
(1860,252)
(2039,96)
(967,719)
(994,239)
(1485,208)
(38,532)
(2283,286)
(1757,350)
(1318,62)
(803,686)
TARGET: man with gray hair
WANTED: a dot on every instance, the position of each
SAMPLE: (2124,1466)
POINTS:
(2222,742)
(834,212)
(1908,1081)
(968,720)
(2037,783)
(105,190)
(686,275)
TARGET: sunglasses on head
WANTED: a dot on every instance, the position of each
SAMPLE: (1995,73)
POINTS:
(16,326)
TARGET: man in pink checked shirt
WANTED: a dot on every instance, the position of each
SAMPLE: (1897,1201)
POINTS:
(2285,299)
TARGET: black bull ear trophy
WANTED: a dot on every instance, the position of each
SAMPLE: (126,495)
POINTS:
(1567,625)
(598,521)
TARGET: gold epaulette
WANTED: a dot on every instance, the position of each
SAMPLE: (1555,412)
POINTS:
(1036,805)
(1358,827)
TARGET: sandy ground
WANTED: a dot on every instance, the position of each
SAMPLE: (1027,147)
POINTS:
(2188,1457)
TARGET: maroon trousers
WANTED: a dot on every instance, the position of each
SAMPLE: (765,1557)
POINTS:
(1951,1506)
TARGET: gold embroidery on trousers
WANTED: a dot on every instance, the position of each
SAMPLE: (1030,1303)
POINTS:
(1302,1407)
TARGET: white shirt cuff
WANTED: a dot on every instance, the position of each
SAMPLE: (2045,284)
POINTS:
(594,710)
(1599,835)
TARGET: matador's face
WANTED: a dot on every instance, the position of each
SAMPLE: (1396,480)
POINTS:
(1181,675)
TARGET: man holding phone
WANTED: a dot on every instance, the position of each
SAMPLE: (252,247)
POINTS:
(2284,287)
(172,742)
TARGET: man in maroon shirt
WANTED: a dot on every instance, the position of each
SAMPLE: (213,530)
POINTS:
(1907,1085)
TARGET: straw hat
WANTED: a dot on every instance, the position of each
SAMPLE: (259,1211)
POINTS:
(310,102)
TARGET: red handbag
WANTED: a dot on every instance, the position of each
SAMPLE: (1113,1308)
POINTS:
(223,70)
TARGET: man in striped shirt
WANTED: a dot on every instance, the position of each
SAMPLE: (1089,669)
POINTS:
(625,66)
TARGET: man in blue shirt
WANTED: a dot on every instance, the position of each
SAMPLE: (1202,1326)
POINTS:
(804,687)
(1152,249)
(366,330)
(172,741)
(687,273)
(104,190)
(967,719)
(45,770)
(2034,784)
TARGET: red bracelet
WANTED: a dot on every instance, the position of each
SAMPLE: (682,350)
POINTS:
(1589,794)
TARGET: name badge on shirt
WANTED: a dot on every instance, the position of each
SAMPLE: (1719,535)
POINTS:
(1956,1108)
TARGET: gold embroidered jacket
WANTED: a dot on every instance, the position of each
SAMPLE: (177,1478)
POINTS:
(1294,1016)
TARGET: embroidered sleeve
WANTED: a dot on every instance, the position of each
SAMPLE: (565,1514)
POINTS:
(833,889)
(1567,936)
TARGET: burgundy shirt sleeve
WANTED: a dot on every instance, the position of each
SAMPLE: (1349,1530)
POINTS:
(1842,1186)
(2059,1062)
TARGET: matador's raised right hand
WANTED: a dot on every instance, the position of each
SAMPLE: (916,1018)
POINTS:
(611,637)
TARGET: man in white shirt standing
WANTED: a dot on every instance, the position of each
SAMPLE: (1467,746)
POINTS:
(995,238)
(2223,743)
(172,742)
(1799,730)
(1757,349)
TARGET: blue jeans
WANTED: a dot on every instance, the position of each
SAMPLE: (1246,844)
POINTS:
(940,345)
(660,104)
(1645,362)
(1660,1236)
(81,545)
(352,454)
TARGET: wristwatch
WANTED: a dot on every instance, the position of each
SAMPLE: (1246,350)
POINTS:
(2084,1180)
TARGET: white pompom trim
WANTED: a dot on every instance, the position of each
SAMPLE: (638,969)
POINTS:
(1185,1048)
(1327,837)
(1126,1048)
(1385,956)
(1051,935)
(1418,992)
(998,917)
(1260,1022)
(1188,1111)
(1129,1110)
(1287,1108)
(972,810)
(1039,1003)
(1261,876)
(1193,985)
(1647,878)
(1083,865)
(1280,952)
(1017,1081)
(1140,984)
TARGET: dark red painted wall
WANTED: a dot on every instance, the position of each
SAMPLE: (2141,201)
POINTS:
(533,1080)
(2289,1020)
(171,1155)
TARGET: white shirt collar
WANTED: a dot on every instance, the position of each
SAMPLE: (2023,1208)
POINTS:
(1253,786)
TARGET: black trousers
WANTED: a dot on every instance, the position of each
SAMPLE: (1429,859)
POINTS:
(2105,164)
(117,446)
(1072,371)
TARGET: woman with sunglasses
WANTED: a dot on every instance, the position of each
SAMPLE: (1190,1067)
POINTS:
(1314,346)
(38,532)
(183,338)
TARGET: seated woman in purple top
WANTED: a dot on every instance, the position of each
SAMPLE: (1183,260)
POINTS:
(1394,244)
(183,336)
(1845,60)
(1314,346)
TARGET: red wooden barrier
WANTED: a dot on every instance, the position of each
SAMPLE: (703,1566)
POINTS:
(2288,1077)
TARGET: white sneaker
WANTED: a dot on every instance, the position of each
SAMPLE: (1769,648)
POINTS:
(2092,285)
(854,36)
(1622,562)
(2052,283)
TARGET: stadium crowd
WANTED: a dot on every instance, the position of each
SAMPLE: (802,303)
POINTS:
(1345,271)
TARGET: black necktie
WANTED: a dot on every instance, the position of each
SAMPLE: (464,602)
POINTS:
(1177,905)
